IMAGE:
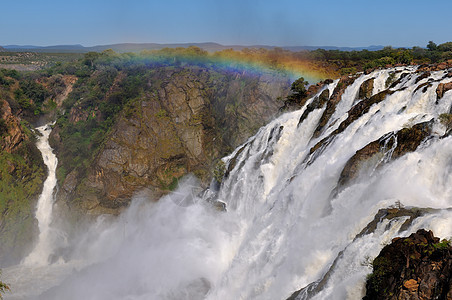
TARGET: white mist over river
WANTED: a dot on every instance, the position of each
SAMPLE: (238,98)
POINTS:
(283,228)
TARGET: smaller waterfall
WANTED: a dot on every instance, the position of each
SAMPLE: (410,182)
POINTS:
(41,252)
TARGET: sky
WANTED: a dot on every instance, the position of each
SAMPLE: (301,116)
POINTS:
(353,23)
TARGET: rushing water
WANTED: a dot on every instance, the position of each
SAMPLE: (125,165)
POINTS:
(284,227)
(41,252)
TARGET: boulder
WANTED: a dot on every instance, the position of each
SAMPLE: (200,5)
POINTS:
(442,88)
(416,267)
(366,89)
(372,155)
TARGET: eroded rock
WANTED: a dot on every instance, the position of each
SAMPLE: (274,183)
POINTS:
(416,267)
(442,88)
(366,89)
(187,120)
(372,155)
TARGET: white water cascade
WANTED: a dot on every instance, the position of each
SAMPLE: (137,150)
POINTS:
(41,252)
(287,225)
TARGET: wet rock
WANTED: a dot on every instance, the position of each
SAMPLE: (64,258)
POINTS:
(416,267)
(424,86)
(233,161)
(335,98)
(435,67)
(354,113)
(442,88)
(401,77)
(362,108)
(311,92)
(316,103)
(372,155)
(366,88)
(422,76)
(396,211)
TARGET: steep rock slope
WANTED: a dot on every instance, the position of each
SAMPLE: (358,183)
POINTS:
(21,177)
(181,122)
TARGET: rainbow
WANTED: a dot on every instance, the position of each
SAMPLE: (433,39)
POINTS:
(229,61)
(293,69)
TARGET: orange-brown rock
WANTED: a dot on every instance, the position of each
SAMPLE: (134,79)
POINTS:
(335,98)
(180,126)
(366,88)
(13,135)
(442,88)
(411,285)
(416,267)
(372,155)
(436,67)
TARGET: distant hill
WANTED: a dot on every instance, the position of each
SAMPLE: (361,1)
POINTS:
(137,47)
(2,49)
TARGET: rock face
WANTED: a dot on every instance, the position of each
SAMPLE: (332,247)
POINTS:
(22,170)
(182,124)
(12,133)
(318,102)
(442,88)
(384,149)
(354,113)
(312,90)
(21,177)
(416,267)
(366,88)
(343,83)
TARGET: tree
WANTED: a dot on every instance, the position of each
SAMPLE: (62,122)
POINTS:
(298,88)
(431,46)
(299,91)
(445,47)
(89,58)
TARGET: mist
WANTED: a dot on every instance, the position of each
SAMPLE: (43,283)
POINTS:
(284,228)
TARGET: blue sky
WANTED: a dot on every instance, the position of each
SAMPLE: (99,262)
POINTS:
(276,22)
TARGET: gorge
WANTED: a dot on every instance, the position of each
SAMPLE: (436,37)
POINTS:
(310,200)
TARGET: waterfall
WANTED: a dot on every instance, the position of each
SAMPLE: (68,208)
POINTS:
(42,251)
(292,220)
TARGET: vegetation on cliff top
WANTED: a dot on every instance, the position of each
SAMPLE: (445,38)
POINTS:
(324,63)
(110,83)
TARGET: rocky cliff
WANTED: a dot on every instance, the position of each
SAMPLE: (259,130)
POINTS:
(182,121)
(22,171)
(416,267)
(21,178)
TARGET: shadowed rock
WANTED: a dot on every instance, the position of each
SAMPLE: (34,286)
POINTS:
(416,267)
(372,155)
(366,88)
(316,103)
(354,113)
(442,88)
(343,83)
